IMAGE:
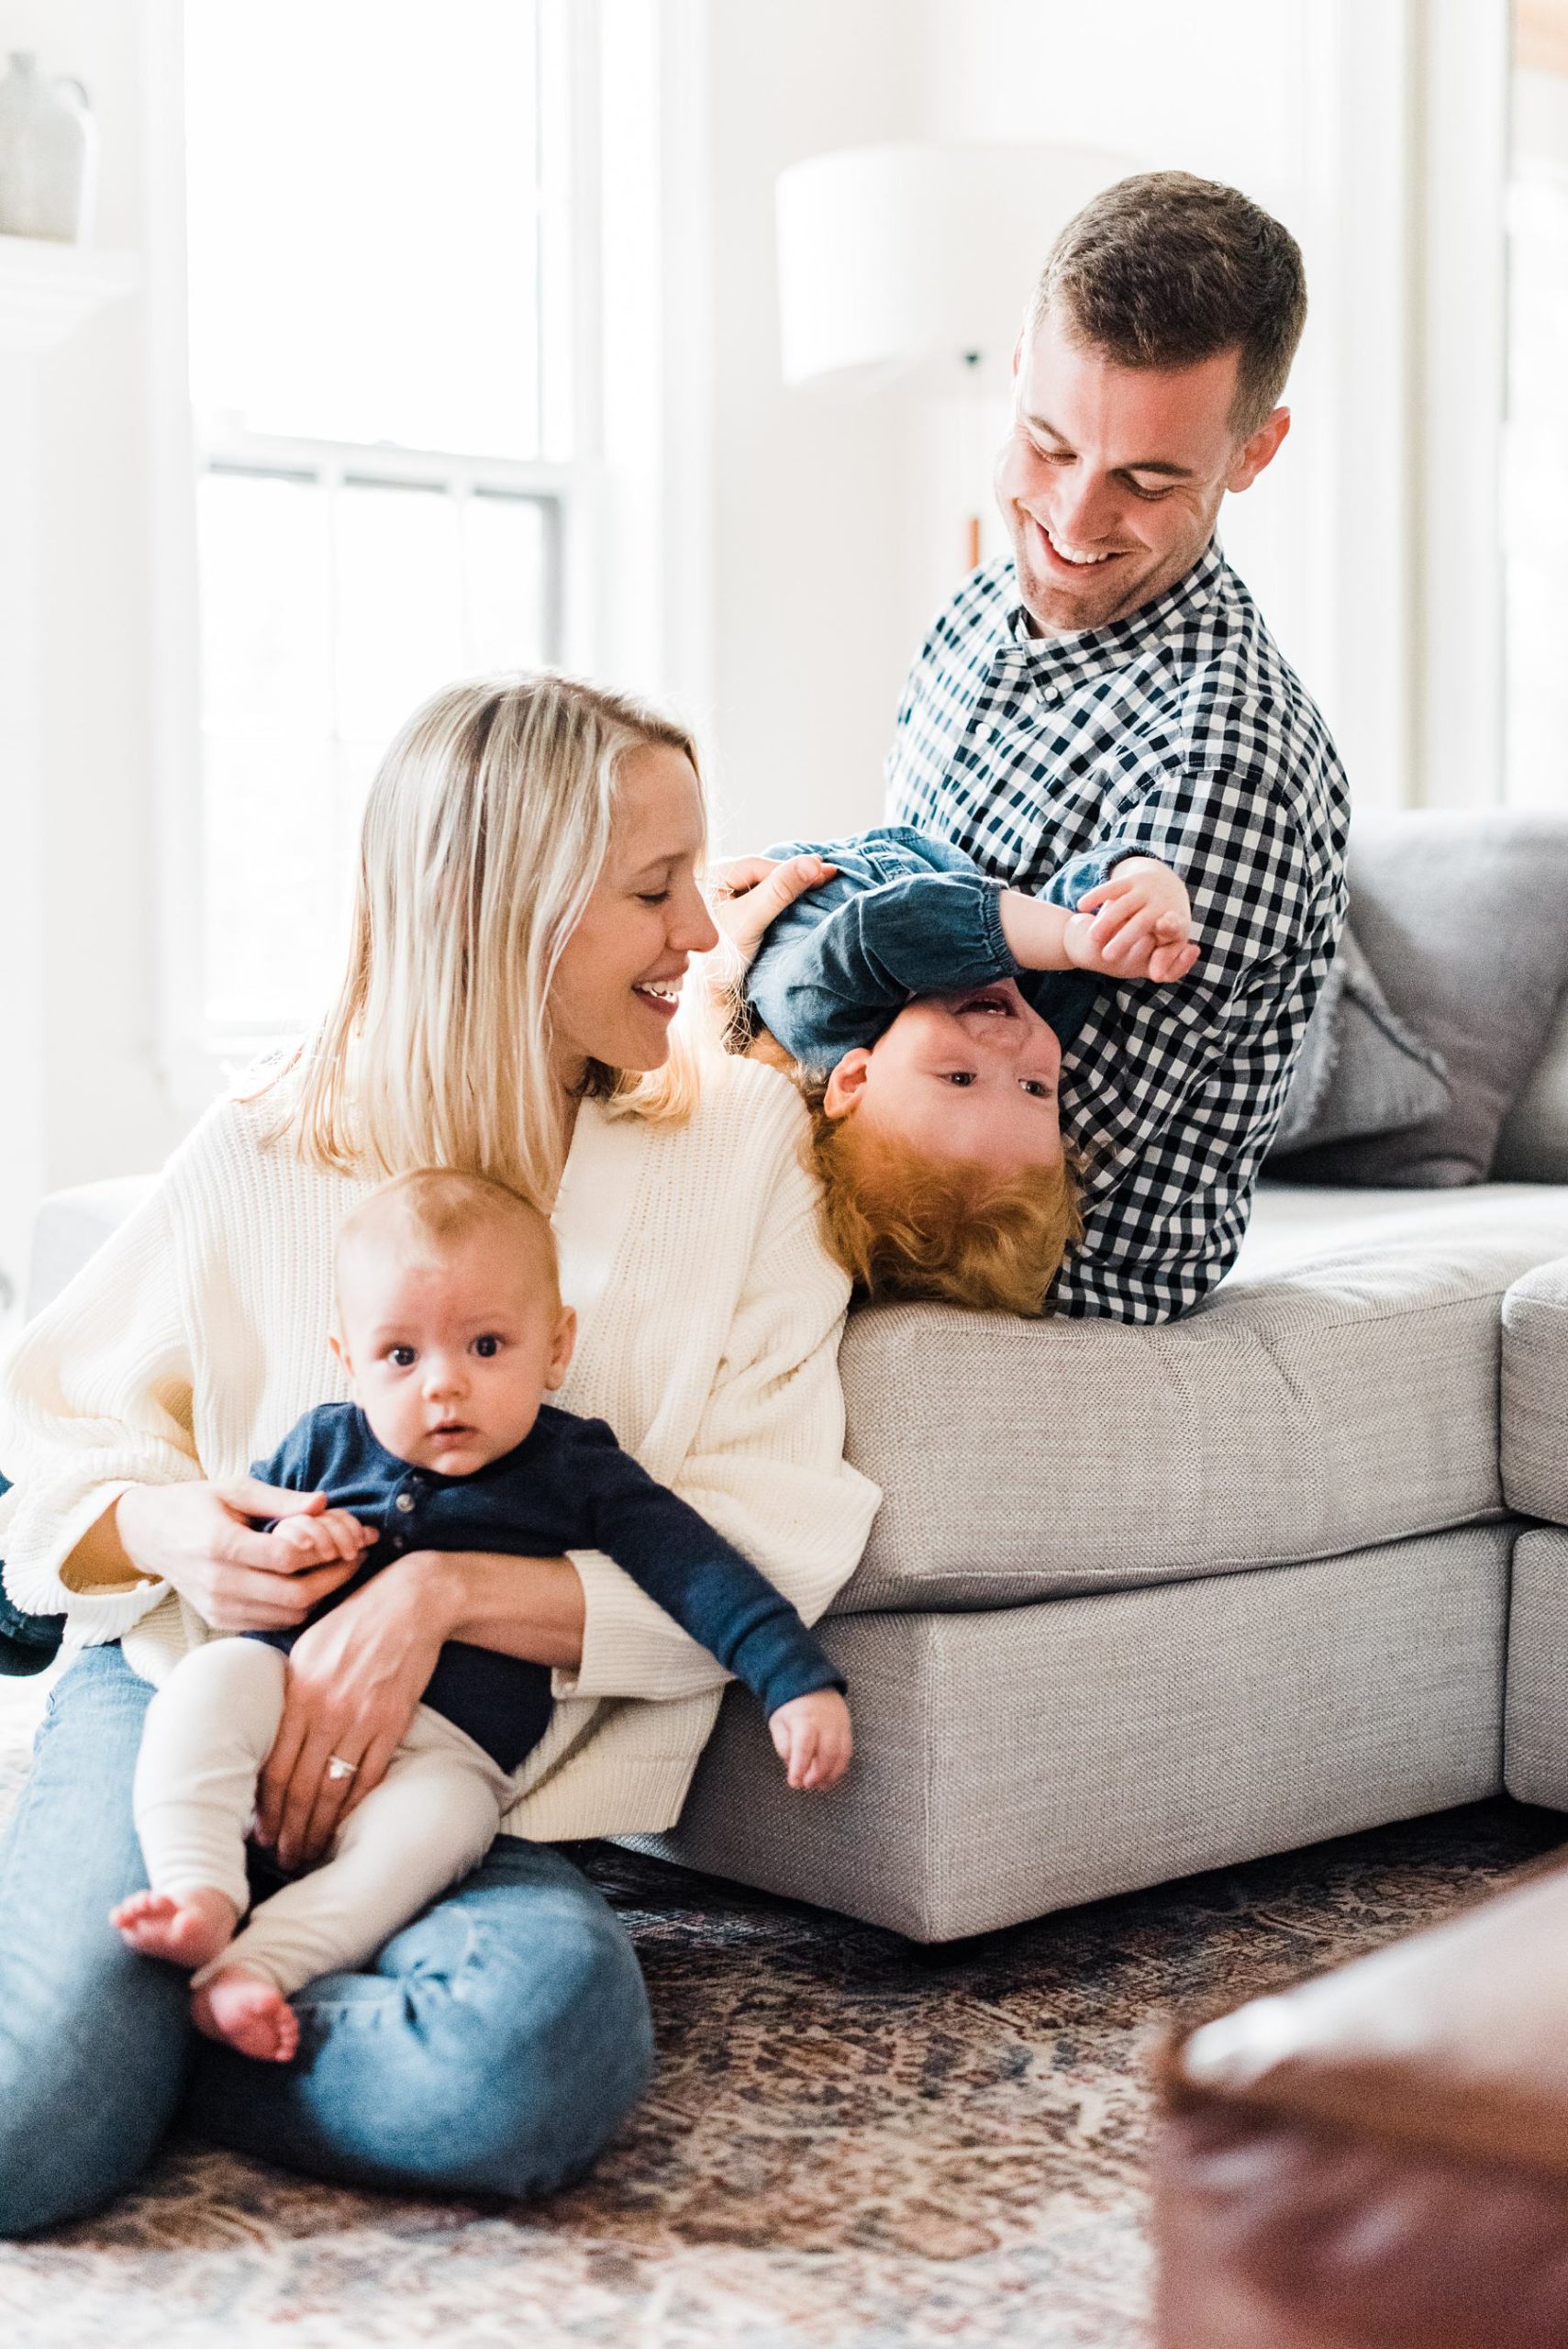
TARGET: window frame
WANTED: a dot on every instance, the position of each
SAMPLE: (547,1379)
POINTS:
(194,1058)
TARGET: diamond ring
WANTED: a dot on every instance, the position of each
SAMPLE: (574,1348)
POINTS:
(338,1768)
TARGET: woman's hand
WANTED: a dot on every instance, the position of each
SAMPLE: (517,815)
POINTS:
(200,1538)
(354,1681)
(752,891)
(356,1677)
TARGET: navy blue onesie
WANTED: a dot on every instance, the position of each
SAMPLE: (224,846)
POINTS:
(568,1486)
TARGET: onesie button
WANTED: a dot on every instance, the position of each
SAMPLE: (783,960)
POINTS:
(404,1502)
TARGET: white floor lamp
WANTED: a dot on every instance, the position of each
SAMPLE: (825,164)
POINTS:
(915,263)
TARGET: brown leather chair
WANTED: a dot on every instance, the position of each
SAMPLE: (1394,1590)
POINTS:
(1379,2159)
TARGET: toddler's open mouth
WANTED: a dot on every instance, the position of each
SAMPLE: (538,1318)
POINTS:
(997,1000)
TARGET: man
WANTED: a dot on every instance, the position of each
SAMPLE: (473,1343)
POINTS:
(1111,683)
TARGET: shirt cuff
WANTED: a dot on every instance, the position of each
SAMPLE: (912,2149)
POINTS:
(33,1580)
(995,946)
(630,1647)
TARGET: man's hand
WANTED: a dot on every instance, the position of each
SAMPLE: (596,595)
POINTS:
(1137,925)
(812,1737)
(749,893)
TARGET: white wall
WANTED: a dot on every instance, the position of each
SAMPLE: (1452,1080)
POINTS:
(1216,88)
(812,532)
(815,612)
(836,516)
(83,1027)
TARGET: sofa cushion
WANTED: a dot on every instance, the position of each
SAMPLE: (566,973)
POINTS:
(1535,1393)
(1361,1070)
(1458,915)
(1293,1221)
(1015,1761)
(1347,1395)
(72,1225)
(1533,1144)
(1535,1730)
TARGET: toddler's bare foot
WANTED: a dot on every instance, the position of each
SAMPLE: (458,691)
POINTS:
(248,2013)
(188,1931)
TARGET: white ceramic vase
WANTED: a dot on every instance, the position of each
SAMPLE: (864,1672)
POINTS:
(48,152)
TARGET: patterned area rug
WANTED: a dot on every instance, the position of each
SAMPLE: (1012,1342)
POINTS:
(851,2143)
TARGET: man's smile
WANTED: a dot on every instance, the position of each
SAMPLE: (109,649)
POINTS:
(1080,558)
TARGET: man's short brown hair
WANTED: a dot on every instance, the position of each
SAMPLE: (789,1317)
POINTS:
(1164,270)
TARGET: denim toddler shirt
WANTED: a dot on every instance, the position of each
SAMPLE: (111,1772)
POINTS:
(568,1486)
(905,915)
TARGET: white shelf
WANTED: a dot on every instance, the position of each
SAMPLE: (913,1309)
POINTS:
(48,290)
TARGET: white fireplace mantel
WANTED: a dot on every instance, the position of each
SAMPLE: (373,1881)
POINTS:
(48,290)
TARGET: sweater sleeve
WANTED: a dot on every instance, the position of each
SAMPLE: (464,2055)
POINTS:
(700,1579)
(766,1466)
(95,1397)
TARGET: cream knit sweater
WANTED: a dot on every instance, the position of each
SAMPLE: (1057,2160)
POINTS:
(709,1317)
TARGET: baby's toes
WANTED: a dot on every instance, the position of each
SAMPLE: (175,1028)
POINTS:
(142,1909)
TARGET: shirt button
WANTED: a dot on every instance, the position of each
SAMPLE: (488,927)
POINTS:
(404,1502)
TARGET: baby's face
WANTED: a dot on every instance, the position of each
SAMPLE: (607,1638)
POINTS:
(451,1355)
(967,1076)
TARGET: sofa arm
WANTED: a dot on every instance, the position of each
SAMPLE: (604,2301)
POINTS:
(71,1226)
(1535,1393)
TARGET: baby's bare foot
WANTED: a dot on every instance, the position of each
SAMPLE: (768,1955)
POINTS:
(248,2013)
(187,1930)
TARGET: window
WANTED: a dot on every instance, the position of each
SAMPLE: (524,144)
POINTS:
(1535,460)
(382,261)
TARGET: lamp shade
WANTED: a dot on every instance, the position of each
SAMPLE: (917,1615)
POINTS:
(899,258)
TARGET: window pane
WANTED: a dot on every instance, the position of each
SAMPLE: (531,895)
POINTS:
(1535,463)
(274,896)
(397,604)
(506,565)
(363,220)
(262,550)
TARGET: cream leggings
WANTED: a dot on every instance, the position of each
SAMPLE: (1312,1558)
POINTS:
(209,1730)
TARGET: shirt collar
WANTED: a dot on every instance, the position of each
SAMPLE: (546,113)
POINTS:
(1086,652)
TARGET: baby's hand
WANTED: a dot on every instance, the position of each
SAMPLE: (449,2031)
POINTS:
(751,892)
(1136,925)
(322,1540)
(813,1739)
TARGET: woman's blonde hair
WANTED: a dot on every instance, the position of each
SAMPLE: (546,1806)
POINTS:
(484,835)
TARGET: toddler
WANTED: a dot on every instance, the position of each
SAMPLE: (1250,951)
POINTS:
(925,1009)
(452,1329)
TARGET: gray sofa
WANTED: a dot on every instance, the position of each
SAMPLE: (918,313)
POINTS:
(1141,1601)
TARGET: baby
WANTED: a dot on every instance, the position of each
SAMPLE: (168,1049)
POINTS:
(452,1329)
(925,1009)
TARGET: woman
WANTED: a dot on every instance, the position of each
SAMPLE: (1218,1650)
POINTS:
(527,909)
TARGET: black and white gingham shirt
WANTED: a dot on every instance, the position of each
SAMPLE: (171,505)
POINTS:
(1179,730)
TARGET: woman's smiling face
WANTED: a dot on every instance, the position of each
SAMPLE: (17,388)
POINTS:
(617,983)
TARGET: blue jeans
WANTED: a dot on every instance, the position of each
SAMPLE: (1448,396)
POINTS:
(497,2042)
